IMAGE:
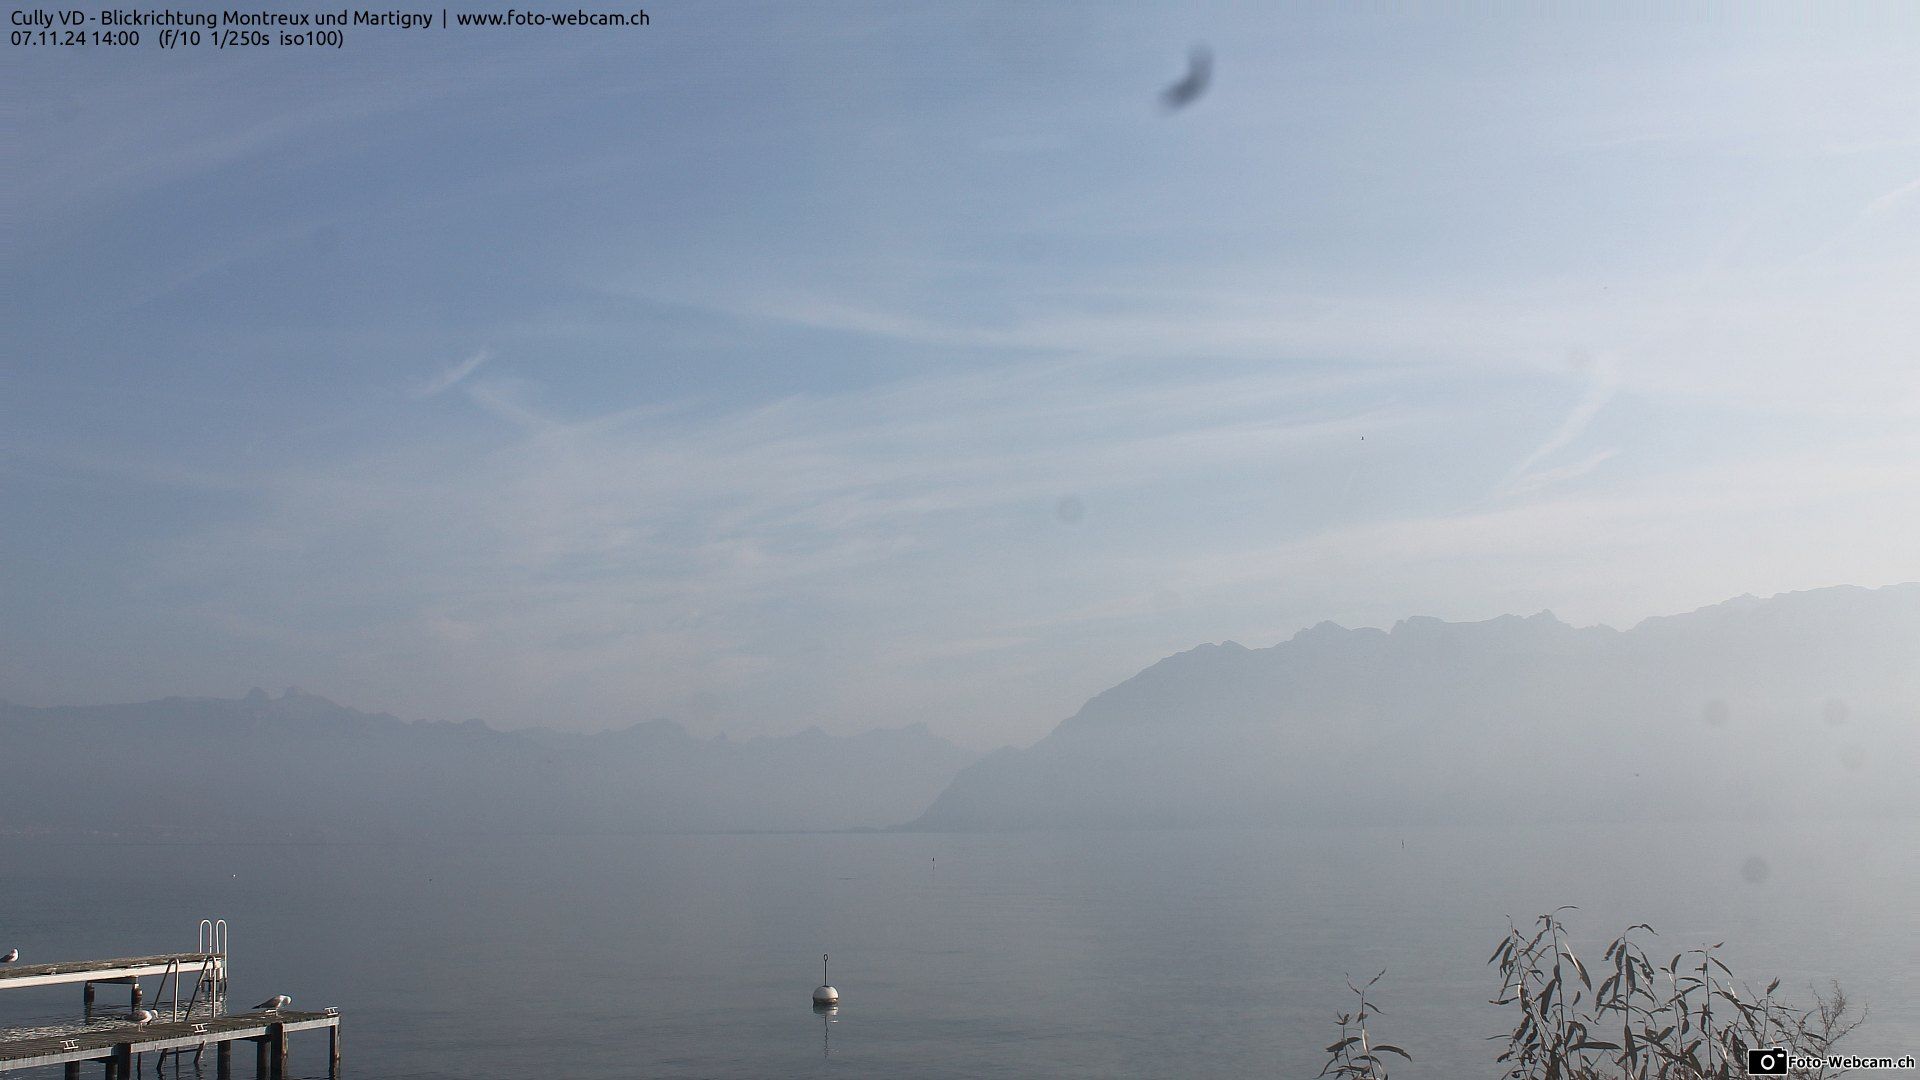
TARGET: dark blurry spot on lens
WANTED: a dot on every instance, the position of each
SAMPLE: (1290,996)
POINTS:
(1852,758)
(1070,509)
(1834,712)
(1194,83)
(1166,602)
(1755,870)
(1579,360)
(1715,713)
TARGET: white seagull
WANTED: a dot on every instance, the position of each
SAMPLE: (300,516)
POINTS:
(143,1016)
(12,955)
(274,1003)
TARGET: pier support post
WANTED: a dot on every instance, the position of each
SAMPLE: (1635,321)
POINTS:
(277,1036)
(87,998)
(120,1066)
(138,994)
(260,1059)
(333,1052)
(73,1070)
(223,1061)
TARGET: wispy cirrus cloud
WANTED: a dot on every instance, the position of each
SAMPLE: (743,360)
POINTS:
(452,375)
(733,564)
(673,553)
(1887,201)
(1602,383)
(1539,480)
(1737,335)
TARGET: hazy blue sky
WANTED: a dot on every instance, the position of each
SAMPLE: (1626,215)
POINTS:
(797,364)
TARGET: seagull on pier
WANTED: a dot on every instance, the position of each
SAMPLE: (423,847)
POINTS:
(12,955)
(274,1003)
(143,1017)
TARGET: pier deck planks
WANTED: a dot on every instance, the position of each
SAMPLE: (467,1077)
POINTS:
(44,1050)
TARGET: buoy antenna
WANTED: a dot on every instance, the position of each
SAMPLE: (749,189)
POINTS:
(824,995)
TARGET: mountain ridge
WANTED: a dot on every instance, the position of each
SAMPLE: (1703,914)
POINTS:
(302,766)
(1185,740)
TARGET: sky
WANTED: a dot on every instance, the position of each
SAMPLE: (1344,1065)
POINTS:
(780,365)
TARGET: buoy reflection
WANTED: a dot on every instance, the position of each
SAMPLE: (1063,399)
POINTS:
(829,1014)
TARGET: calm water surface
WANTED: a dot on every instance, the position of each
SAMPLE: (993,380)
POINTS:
(1082,954)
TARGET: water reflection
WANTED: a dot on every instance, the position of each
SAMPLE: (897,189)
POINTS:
(829,1015)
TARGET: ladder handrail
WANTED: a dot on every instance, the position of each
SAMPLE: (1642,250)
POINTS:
(213,937)
(207,980)
(213,945)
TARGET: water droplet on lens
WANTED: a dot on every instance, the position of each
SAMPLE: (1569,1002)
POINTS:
(1755,870)
(1070,509)
(1715,713)
(1834,712)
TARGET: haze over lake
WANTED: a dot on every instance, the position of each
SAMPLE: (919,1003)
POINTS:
(1215,953)
(518,904)
(1798,705)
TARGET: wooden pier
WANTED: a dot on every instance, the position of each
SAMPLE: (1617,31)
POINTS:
(120,1042)
(117,1047)
(126,970)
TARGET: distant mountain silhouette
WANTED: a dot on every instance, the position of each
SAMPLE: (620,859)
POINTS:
(1806,703)
(299,766)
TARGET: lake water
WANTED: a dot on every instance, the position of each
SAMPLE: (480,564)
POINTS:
(1073,954)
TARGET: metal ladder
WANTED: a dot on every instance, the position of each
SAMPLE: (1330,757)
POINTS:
(212,948)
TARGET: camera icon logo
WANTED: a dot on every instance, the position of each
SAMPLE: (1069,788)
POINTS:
(1771,1061)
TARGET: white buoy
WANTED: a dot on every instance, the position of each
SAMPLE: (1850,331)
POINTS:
(825,994)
